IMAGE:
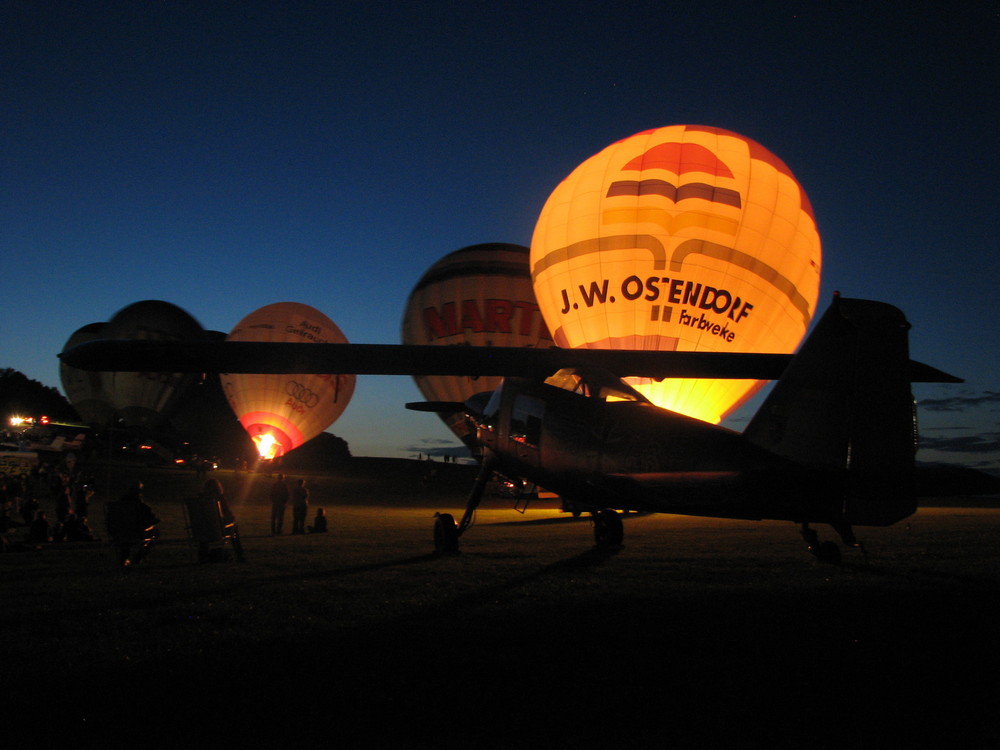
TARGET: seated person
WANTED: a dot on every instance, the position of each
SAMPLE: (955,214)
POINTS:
(131,522)
(319,522)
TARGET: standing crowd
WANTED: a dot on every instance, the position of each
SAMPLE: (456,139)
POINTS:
(298,498)
(131,524)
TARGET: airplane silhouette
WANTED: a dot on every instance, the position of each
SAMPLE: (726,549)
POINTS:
(833,442)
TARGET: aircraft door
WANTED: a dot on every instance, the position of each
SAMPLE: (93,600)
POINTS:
(525,431)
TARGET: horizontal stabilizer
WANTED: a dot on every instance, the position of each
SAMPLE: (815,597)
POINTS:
(921,373)
(439,407)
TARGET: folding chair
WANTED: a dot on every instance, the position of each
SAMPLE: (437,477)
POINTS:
(209,530)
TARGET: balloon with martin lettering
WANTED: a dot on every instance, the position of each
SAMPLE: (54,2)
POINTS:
(684,238)
(477,296)
(279,411)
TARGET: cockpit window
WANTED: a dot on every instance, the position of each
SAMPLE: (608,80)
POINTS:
(594,384)
(620,392)
(568,379)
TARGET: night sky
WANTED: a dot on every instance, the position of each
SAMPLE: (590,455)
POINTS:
(226,155)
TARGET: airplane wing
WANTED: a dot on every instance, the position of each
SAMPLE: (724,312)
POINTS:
(117,355)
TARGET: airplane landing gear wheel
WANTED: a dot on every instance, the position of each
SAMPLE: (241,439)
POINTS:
(608,530)
(445,534)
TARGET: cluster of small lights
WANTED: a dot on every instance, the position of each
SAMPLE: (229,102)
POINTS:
(27,421)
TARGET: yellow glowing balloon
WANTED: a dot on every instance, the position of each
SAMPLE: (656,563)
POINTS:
(685,238)
(477,296)
(280,412)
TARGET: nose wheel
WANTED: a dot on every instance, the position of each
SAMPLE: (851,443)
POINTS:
(445,534)
(446,531)
(608,529)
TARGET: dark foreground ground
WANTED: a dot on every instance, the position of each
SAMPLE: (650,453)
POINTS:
(699,633)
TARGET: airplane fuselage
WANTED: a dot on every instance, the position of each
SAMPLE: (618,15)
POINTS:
(633,455)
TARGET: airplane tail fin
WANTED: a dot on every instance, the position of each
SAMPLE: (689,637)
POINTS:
(844,405)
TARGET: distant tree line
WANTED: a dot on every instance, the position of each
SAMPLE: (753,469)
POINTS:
(22,396)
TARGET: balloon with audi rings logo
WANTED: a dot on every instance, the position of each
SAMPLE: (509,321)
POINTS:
(686,238)
(279,411)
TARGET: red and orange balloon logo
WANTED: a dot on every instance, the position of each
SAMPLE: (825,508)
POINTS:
(683,238)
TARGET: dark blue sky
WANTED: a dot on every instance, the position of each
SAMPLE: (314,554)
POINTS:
(225,155)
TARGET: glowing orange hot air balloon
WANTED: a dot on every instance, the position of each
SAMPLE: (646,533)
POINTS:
(477,296)
(281,412)
(683,238)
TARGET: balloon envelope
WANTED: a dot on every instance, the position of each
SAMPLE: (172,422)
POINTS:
(477,296)
(147,398)
(281,412)
(85,388)
(684,238)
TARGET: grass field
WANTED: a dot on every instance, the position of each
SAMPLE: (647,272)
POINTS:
(699,633)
